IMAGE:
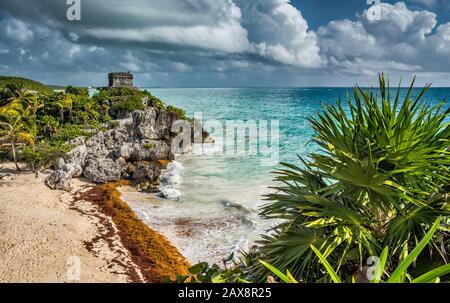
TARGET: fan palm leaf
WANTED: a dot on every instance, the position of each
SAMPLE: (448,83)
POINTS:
(380,179)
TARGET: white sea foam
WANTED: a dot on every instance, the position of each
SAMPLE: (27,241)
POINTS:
(170,179)
(216,213)
(170,193)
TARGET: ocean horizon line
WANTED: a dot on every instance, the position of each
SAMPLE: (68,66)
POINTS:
(277,87)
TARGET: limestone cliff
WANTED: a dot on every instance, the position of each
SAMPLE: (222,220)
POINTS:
(137,147)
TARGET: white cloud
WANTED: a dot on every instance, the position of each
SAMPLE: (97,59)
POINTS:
(182,23)
(398,23)
(278,31)
(401,40)
(205,39)
(17,30)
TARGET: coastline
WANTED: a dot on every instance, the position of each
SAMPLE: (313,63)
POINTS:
(44,231)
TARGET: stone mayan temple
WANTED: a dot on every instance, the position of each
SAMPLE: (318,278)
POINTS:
(120,79)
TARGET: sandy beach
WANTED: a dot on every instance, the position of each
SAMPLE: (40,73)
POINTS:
(47,236)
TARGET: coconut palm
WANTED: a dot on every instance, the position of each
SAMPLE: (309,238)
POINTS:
(380,179)
(14,133)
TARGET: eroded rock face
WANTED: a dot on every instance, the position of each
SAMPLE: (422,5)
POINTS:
(144,123)
(164,122)
(77,141)
(146,175)
(153,124)
(103,170)
(72,169)
(77,155)
(132,147)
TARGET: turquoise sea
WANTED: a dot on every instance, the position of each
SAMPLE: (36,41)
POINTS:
(217,212)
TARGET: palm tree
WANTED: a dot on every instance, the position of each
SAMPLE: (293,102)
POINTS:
(14,133)
(13,104)
(63,104)
(381,179)
(90,111)
(33,105)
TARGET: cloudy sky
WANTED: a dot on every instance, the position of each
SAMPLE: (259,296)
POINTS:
(227,43)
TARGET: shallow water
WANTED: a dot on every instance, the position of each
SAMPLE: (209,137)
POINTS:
(202,231)
(217,210)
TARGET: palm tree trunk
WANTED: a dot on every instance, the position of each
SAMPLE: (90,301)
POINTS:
(13,150)
(61,115)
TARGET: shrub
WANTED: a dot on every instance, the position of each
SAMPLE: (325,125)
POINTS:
(48,125)
(178,111)
(108,92)
(205,273)
(380,179)
(155,102)
(379,273)
(44,155)
(129,104)
(77,91)
(68,132)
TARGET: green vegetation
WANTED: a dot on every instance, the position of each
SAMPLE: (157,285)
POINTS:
(129,104)
(377,186)
(154,101)
(14,132)
(25,83)
(43,154)
(148,146)
(129,99)
(179,112)
(230,272)
(115,124)
(380,180)
(379,271)
(36,127)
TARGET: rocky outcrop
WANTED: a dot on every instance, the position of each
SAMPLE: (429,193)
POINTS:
(131,149)
(59,179)
(103,170)
(146,175)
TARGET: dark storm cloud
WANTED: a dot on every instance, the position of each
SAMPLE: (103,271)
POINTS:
(216,42)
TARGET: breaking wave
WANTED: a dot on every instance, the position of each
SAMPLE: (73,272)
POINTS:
(170,179)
